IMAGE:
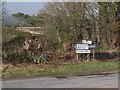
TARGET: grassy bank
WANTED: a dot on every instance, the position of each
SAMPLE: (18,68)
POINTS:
(82,68)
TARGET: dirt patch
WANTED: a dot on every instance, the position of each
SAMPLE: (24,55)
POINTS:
(106,56)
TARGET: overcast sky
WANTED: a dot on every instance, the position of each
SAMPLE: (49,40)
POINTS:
(24,7)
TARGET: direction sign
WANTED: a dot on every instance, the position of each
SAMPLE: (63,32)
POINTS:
(84,41)
(81,46)
(92,46)
(82,51)
(89,42)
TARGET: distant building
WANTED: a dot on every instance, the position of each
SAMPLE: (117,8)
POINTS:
(32,30)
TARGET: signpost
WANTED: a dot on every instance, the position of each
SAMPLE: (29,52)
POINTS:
(89,42)
(82,51)
(84,48)
(92,46)
(81,46)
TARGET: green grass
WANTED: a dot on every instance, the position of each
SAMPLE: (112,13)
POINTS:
(83,68)
(90,68)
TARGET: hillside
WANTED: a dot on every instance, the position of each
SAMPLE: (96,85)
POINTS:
(8,33)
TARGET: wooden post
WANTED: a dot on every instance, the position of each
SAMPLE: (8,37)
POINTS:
(88,56)
(77,57)
(93,54)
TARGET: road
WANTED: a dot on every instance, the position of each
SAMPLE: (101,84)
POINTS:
(93,81)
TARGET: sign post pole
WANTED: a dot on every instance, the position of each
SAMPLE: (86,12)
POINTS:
(93,54)
(77,57)
(88,57)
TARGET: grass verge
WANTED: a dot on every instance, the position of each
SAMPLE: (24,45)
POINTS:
(83,68)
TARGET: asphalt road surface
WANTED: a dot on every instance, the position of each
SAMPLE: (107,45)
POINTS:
(93,81)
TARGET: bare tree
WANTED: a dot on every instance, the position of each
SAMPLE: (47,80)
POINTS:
(84,20)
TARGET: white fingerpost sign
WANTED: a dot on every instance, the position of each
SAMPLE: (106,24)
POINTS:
(92,46)
(89,42)
(82,51)
(84,41)
(81,46)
